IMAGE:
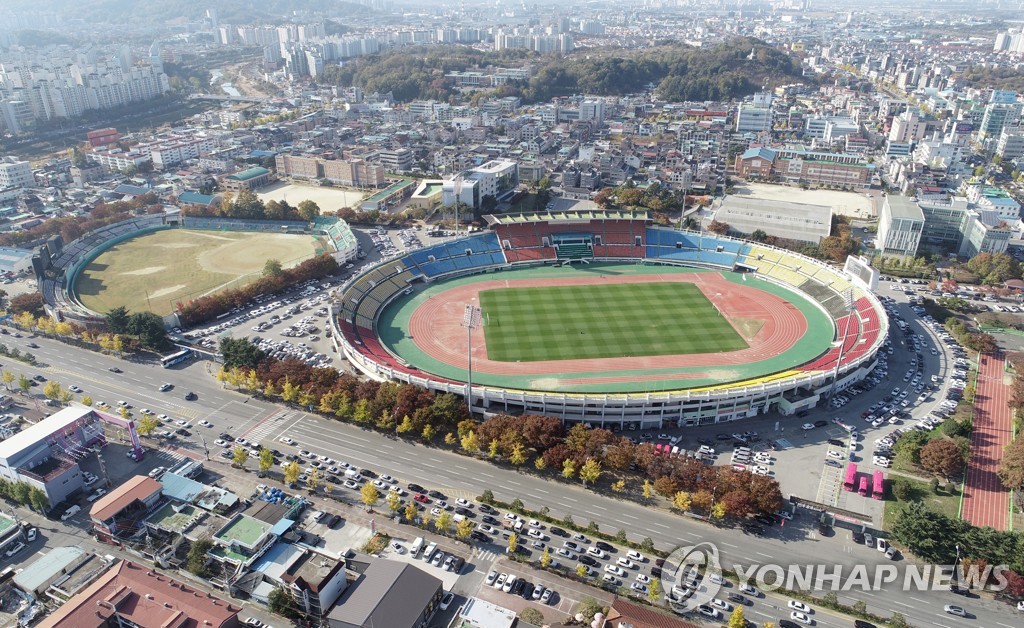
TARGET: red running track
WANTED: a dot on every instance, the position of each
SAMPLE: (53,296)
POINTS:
(986,502)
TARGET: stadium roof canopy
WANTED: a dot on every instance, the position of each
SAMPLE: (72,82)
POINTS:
(587,214)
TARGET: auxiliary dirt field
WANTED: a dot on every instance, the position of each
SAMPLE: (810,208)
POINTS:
(155,271)
(329,199)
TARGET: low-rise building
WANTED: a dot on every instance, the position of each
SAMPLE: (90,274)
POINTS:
(250,179)
(386,593)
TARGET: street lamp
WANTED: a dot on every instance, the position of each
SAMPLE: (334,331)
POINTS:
(470,320)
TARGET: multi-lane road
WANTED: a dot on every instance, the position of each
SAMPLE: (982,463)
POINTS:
(797,544)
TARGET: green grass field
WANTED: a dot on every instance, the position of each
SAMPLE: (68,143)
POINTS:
(603,321)
(153,272)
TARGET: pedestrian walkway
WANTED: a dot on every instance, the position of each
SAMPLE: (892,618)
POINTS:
(271,428)
(985,501)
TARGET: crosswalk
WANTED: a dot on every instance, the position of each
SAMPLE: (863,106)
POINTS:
(485,556)
(272,427)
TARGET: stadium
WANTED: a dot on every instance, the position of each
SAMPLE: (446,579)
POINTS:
(153,262)
(603,317)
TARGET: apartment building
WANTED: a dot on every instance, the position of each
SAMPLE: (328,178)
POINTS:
(900,225)
(15,173)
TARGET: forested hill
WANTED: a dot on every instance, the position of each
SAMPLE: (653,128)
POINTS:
(680,72)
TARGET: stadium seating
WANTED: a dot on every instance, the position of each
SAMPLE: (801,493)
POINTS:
(574,251)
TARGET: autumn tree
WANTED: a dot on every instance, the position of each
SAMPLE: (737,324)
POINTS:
(464,528)
(1011,467)
(292,471)
(590,471)
(942,457)
(266,459)
(239,456)
(369,495)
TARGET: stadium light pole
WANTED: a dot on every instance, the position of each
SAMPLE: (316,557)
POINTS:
(470,320)
(848,301)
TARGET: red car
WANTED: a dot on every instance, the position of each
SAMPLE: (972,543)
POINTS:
(421,498)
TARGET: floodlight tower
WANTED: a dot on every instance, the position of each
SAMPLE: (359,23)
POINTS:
(470,320)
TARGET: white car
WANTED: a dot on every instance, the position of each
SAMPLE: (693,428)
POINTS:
(387,478)
(350,484)
(799,606)
(163,418)
(465,503)
(643,578)
(165,387)
(625,562)
(785,514)
(614,571)
(146,411)
(397,547)
(381,485)
(801,617)
(722,604)
(221,443)
(807,426)
(635,555)
(205,423)
(286,440)
(183,423)
(750,590)
(74,389)
(14,549)
(537,534)
(491,578)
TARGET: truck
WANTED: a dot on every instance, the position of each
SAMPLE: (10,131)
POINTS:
(416,546)
(429,552)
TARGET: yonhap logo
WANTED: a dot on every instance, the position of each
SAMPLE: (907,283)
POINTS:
(685,588)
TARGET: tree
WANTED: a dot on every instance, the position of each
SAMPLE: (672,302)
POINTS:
(28,303)
(272,268)
(239,456)
(898,621)
(443,522)
(681,500)
(470,442)
(147,425)
(292,471)
(532,616)
(590,471)
(942,456)
(266,460)
(308,210)
(518,455)
(487,497)
(568,469)
(314,480)
(51,390)
(902,489)
(369,495)
(737,620)
(513,543)
(149,329)
(464,528)
(582,570)
(1011,467)
(666,486)
(654,590)
(410,511)
(718,510)
(648,490)
(280,601)
(240,353)
(545,558)
(721,228)
(393,501)
(117,320)
(8,378)
(619,486)
(197,559)
(86,400)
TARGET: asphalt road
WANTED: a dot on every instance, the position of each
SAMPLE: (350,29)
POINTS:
(798,543)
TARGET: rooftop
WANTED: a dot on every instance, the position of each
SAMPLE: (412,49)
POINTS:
(901,207)
(251,173)
(133,489)
(244,530)
(388,593)
(173,517)
(477,613)
(144,598)
(32,435)
(566,216)
(47,566)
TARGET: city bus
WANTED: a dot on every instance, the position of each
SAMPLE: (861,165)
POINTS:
(850,483)
(864,489)
(170,360)
(878,485)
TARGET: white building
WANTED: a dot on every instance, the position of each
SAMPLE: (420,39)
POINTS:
(15,173)
(899,227)
(753,119)
(496,178)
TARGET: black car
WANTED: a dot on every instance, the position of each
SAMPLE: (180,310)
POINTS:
(528,591)
(660,562)
(465,512)
(491,520)
(367,473)
(415,488)
(457,564)
(785,623)
(955,588)
(191,396)
(115,370)
(860,623)
(517,588)
(820,423)
(737,598)
(765,519)
(601,545)
(723,437)
(477,535)
(333,521)
(437,495)
(706,441)
(858,537)
(227,437)
(486,508)
(558,531)
(182,431)
(39,378)
(587,560)
(836,442)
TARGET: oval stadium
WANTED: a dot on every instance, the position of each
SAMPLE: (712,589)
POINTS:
(603,317)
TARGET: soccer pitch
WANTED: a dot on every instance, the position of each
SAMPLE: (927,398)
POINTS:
(153,272)
(603,321)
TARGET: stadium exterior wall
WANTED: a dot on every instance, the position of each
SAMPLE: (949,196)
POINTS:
(651,410)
